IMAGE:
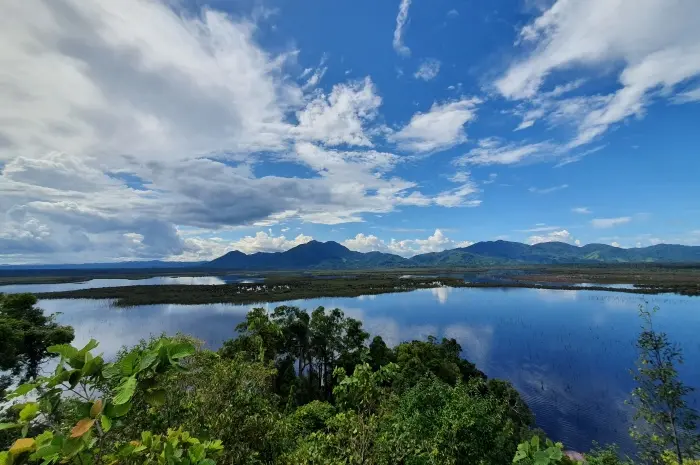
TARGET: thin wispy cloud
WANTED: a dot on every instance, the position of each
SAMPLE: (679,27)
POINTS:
(547,190)
(539,229)
(401,20)
(602,223)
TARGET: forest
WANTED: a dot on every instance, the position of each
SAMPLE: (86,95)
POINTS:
(298,387)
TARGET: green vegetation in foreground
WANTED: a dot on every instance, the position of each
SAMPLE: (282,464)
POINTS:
(25,334)
(307,388)
(281,289)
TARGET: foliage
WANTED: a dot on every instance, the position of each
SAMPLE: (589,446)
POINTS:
(92,436)
(435,423)
(609,455)
(298,387)
(533,452)
(350,435)
(660,399)
(418,358)
(26,333)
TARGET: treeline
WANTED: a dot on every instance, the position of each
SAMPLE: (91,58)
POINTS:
(309,388)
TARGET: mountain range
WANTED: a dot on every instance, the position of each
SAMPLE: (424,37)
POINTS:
(331,255)
(316,255)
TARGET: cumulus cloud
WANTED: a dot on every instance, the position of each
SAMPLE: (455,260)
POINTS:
(437,242)
(438,129)
(341,116)
(610,222)
(555,236)
(581,210)
(264,242)
(657,43)
(428,70)
(401,20)
(154,119)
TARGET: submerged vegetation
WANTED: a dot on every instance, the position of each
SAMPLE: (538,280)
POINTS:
(298,387)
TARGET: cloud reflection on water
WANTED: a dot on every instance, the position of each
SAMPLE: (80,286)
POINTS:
(567,352)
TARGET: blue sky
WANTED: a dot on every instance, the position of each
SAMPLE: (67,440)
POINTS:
(182,129)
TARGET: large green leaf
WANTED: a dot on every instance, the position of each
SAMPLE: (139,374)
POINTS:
(22,390)
(74,378)
(4,426)
(125,391)
(116,411)
(29,412)
(92,365)
(111,370)
(64,350)
(45,452)
(181,350)
(147,361)
(89,346)
(126,364)
(106,423)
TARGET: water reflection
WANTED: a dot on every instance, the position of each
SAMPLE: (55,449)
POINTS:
(158,280)
(567,352)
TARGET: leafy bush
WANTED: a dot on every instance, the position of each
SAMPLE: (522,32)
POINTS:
(92,437)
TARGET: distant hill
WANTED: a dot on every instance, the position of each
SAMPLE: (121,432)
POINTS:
(316,255)
(331,255)
(312,255)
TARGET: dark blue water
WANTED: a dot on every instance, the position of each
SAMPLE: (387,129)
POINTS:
(567,352)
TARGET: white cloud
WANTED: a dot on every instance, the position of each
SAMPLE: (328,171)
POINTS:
(547,190)
(264,242)
(615,244)
(610,222)
(406,248)
(578,156)
(460,176)
(452,13)
(439,129)
(526,123)
(461,196)
(491,179)
(136,78)
(341,117)
(315,78)
(581,210)
(151,121)
(428,70)
(401,19)
(688,96)
(555,236)
(540,228)
(657,43)
(492,151)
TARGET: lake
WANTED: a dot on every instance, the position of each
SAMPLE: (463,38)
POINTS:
(568,352)
(155,281)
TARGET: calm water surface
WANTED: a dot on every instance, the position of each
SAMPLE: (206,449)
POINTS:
(158,280)
(568,352)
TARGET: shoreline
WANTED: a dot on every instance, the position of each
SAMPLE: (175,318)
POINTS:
(299,289)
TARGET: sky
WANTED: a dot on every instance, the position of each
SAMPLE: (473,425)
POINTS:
(183,129)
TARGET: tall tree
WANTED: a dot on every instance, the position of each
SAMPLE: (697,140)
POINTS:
(660,398)
(26,333)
